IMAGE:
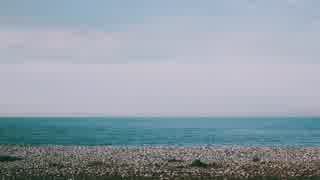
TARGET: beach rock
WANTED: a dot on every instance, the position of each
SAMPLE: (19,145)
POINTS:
(56,165)
(9,158)
(256,158)
(173,160)
(198,163)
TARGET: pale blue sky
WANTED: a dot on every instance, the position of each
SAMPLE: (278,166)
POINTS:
(119,15)
(160,57)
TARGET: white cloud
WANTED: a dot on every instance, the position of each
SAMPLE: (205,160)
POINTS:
(92,46)
(56,45)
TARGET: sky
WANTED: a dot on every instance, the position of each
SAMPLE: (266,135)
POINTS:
(160,58)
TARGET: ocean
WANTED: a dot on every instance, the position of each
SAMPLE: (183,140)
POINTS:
(151,131)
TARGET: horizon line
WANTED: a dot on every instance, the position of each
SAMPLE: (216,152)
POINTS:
(158,116)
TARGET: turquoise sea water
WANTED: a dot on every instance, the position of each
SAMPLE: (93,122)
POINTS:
(161,131)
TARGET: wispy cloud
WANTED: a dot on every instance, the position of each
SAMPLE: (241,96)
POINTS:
(23,46)
(230,31)
(92,46)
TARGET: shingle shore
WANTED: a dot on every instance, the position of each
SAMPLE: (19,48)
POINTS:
(164,162)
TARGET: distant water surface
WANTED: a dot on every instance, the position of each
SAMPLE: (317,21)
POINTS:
(161,131)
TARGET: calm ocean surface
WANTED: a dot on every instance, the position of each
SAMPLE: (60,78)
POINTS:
(161,131)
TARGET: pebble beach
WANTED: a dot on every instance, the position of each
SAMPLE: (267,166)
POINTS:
(161,162)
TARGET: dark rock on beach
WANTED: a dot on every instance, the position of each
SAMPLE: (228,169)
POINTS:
(256,158)
(198,163)
(173,160)
(9,158)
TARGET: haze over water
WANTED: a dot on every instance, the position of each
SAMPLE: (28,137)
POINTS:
(134,131)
